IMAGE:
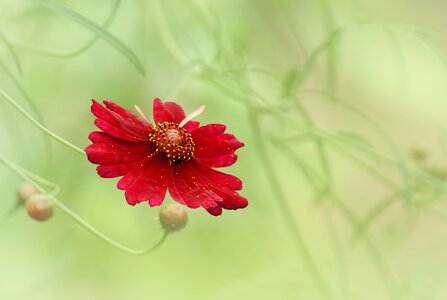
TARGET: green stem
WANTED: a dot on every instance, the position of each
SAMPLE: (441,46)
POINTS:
(284,207)
(375,212)
(318,183)
(321,149)
(55,188)
(39,125)
(34,179)
(12,52)
(30,102)
(104,237)
(313,177)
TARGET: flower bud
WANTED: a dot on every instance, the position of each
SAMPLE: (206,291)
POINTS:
(173,217)
(39,207)
(25,191)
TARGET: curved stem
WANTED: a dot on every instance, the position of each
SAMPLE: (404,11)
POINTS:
(321,149)
(30,102)
(70,53)
(12,52)
(55,188)
(103,236)
(39,125)
(375,212)
(34,179)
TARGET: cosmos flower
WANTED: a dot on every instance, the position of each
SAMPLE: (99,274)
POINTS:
(174,154)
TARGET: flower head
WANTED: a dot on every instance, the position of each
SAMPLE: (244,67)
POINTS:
(174,154)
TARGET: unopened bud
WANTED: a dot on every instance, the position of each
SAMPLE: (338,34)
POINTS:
(39,207)
(173,217)
(25,191)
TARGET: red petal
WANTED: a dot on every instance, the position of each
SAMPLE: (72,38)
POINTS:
(214,147)
(129,116)
(227,180)
(112,171)
(215,211)
(185,186)
(107,150)
(120,123)
(191,125)
(102,137)
(168,112)
(191,184)
(232,200)
(171,112)
(147,181)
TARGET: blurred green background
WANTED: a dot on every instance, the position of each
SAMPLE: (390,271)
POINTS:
(342,108)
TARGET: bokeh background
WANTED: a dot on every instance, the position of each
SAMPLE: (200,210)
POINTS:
(341,104)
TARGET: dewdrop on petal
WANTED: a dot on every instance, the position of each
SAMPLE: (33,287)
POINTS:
(173,217)
(25,191)
(39,207)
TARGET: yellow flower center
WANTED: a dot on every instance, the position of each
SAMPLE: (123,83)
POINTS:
(172,140)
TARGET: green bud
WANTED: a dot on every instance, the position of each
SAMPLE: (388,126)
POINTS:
(173,217)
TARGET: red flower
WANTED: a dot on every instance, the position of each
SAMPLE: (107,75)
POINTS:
(175,154)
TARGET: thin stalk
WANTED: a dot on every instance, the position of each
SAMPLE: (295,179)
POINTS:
(39,125)
(313,177)
(374,213)
(103,236)
(71,53)
(12,52)
(30,102)
(284,207)
(321,149)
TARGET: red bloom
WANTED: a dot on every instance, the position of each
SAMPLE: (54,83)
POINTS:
(170,155)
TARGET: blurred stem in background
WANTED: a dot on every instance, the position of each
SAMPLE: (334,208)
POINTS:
(75,52)
(39,125)
(281,199)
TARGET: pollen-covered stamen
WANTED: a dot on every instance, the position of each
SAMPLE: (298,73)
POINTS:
(173,140)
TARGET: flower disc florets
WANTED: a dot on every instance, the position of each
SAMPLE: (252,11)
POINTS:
(173,140)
